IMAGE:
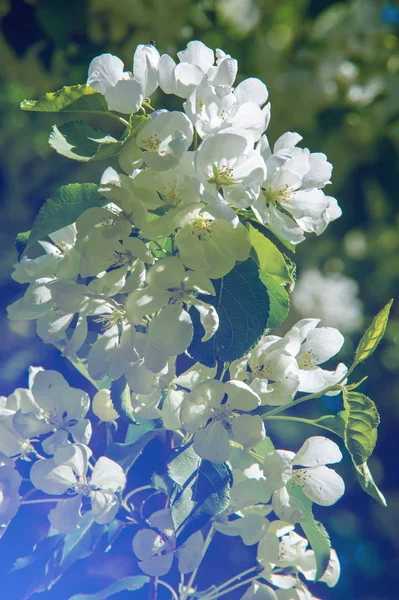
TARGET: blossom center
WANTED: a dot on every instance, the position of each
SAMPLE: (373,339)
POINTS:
(222,177)
(278,196)
(308,360)
(171,195)
(152,143)
(203,228)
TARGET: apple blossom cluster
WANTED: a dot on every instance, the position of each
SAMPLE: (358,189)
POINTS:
(135,290)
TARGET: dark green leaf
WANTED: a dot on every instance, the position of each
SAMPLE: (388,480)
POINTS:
(127,583)
(21,241)
(74,546)
(242,304)
(184,465)
(127,454)
(314,531)
(274,274)
(64,208)
(75,98)
(204,497)
(373,334)
(41,551)
(78,141)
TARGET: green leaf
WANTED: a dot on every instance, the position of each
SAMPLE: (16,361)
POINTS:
(242,304)
(183,465)
(264,447)
(136,122)
(72,547)
(264,229)
(373,334)
(64,208)
(203,497)
(367,482)
(40,552)
(314,531)
(121,398)
(129,584)
(75,98)
(274,274)
(78,141)
(127,454)
(21,241)
(361,422)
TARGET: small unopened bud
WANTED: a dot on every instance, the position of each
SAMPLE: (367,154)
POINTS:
(103,407)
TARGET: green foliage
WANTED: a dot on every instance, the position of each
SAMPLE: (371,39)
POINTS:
(274,274)
(55,554)
(243,307)
(64,208)
(75,98)
(205,492)
(129,584)
(121,398)
(361,422)
(314,531)
(78,141)
(21,241)
(127,454)
(368,484)
(373,334)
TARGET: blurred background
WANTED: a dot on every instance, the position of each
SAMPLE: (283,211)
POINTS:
(332,73)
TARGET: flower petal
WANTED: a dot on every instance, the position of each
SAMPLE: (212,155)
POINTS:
(317,450)
(320,484)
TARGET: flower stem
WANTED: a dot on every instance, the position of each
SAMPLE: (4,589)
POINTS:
(169,587)
(217,589)
(205,547)
(216,594)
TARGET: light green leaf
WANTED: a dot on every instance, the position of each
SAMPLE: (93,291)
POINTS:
(367,482)
(274,274)
(136,122)
(242,304)
(361,422)
(64,208)
(78,141)
(75,98)
(129,584)
(264,447)
(266,230)
(373,334)
(121,398)
(314,531)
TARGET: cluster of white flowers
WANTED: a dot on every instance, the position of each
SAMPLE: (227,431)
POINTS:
(118,286)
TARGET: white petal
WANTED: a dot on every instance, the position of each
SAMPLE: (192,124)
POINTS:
(321,484)
(157,565)
(66,516)
(108,475)
(104,71)
(248,430)
(171,331)
(241,396)
(212,443)
(104,505)
(259,591)
(317,450)
(171,409)
(277,468)
(283,508)
(251,90)
(190,553)
(125,97)
(50,478)
(320,345)
(209,318)
(75,456)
